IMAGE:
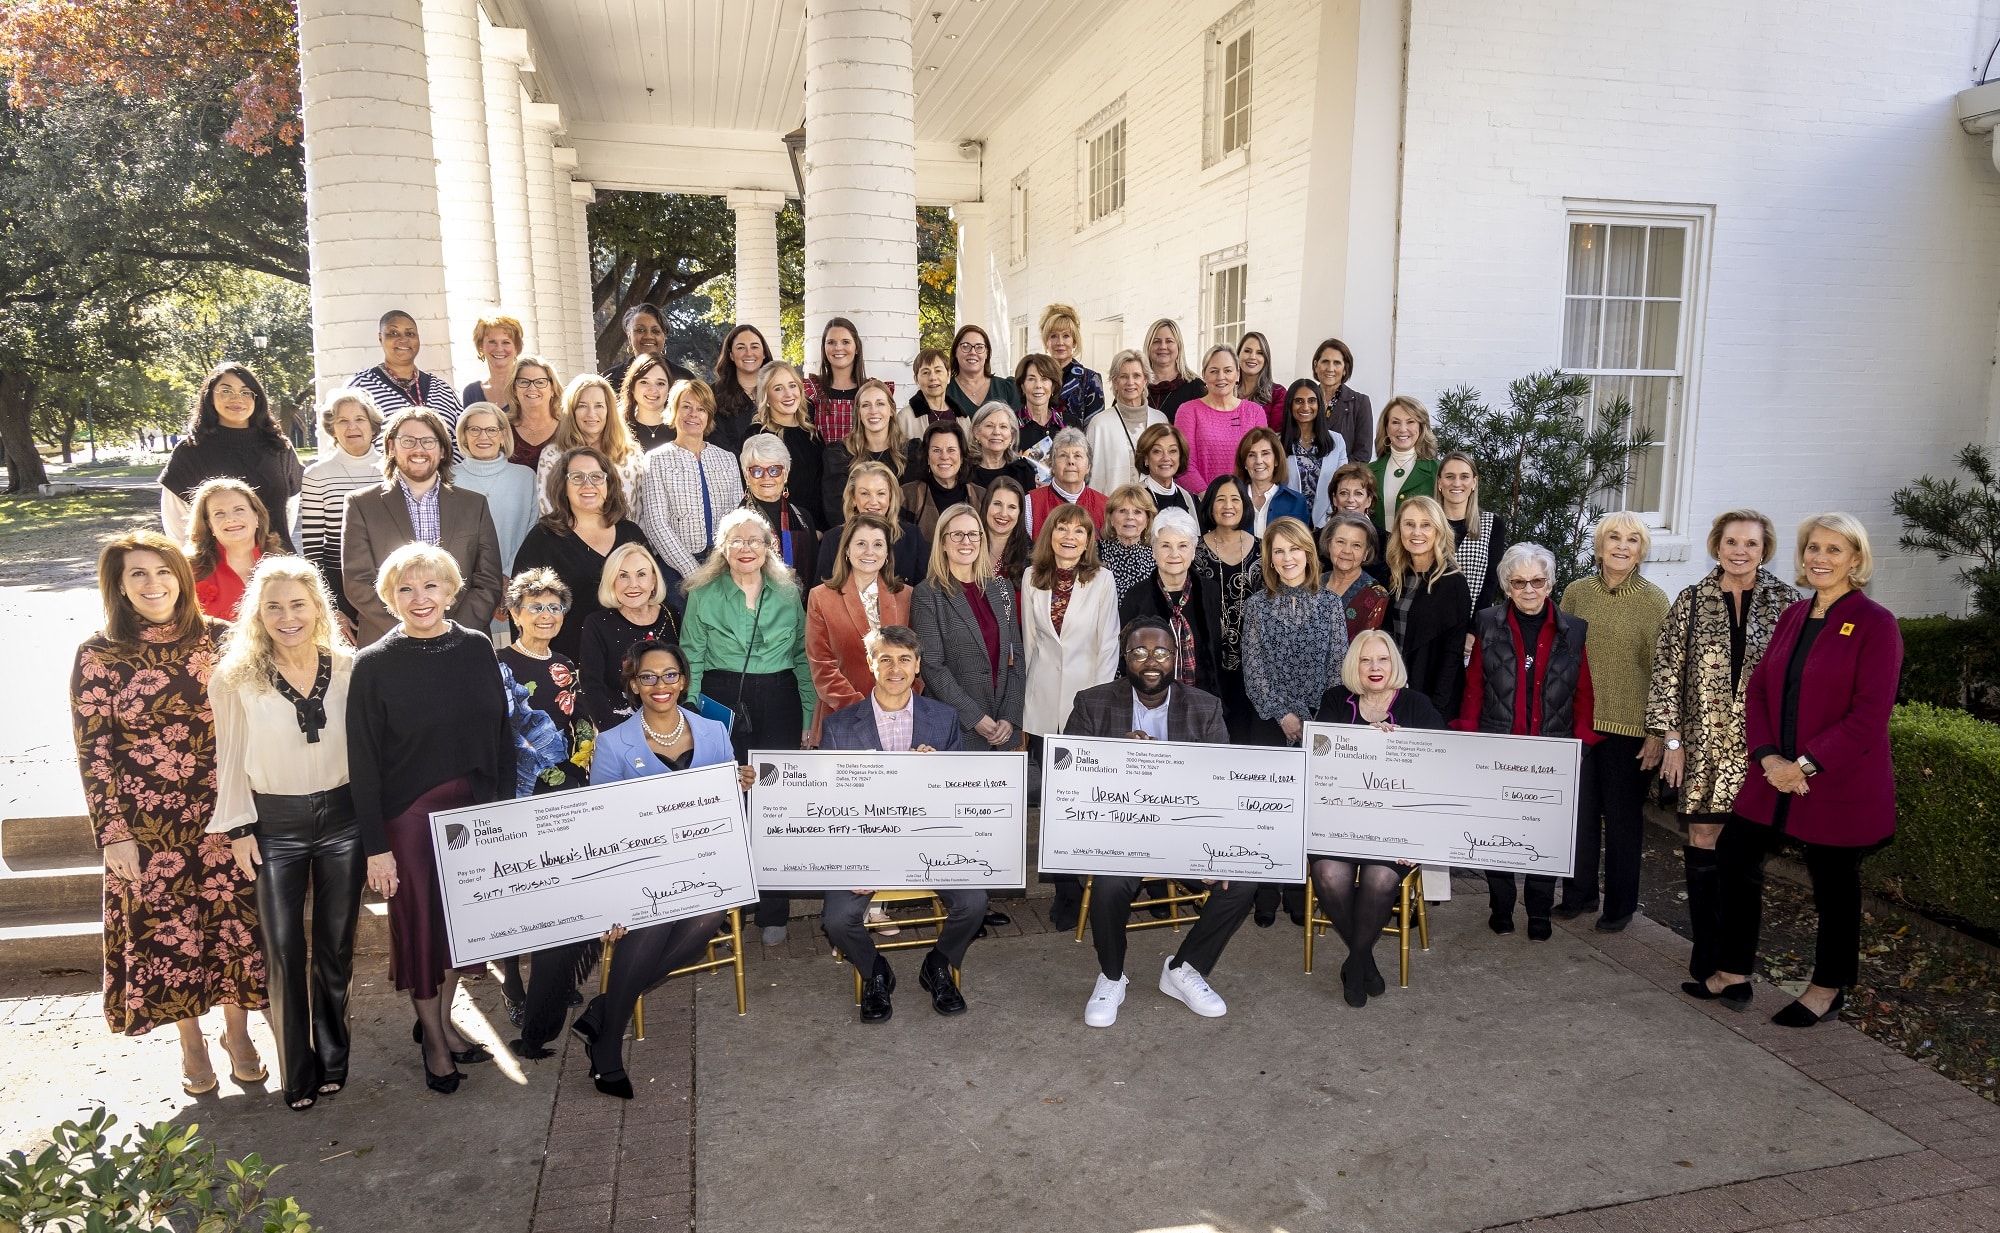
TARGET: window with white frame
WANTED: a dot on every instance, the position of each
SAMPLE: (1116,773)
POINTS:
(1628,307)
(1021,346)
(1225,282)
(1104,171)
(1228,76)
(1017,219)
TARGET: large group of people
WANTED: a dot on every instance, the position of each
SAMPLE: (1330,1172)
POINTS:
(545,584)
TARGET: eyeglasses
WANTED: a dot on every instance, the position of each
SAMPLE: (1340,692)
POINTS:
(555,608)
(743,545)
(972,346)
(535,383)
(650,679)
(1158,655)
(964,537)
(587,479)
(1527,584)
(774,471)
(421,444)
(471,431)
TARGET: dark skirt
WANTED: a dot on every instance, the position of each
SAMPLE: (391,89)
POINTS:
(418,954)
(767,709)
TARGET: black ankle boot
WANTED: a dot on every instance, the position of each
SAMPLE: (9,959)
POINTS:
(1704,887)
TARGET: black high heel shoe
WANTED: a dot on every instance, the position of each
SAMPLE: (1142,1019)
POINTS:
(1799,1015)
(443,1085)
(613,1083)
(1735,997)
(464,1057)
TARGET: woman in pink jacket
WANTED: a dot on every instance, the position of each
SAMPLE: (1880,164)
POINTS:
(1217,421)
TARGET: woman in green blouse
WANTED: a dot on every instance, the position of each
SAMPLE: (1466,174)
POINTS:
(745,639)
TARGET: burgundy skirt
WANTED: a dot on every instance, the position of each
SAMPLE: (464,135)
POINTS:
(418,954)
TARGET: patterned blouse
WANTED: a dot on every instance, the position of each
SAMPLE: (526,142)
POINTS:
(1293,643)
(1081,396)
(1059,597)
(1130,564)
(1237,582)
(1366,602)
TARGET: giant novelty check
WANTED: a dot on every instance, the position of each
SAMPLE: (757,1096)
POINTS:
(1444,798)
(542,871)
(848,820)
(1165,809)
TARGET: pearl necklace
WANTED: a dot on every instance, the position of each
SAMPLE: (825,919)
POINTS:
(680,729)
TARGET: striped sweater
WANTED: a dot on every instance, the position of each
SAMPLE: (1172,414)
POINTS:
(323,504)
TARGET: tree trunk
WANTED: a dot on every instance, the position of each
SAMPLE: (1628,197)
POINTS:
(25,472)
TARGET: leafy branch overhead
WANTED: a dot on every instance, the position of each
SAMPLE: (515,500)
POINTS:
(1954,522)
(1548,470)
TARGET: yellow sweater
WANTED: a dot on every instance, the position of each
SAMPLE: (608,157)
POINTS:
(1624,627)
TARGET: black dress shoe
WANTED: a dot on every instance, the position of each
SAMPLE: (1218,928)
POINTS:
(996,919)
(1570,911)
(532,1053)
(1612,924)
(1539,929)
(1266,919)
(1371,978)
(1799,1015)
(464,1057)
(1501,922)
(1353,987)
(443,1085)
(614,1083)
(1735,997)
(1064,914)
(935,976)
(1298,917)
(875,991)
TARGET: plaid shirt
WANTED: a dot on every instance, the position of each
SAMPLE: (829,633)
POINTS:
(423,510)
(895,728)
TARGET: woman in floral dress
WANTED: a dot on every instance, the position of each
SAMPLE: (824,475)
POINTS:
(180,925)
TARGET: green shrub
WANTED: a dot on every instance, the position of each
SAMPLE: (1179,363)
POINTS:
(159,1177)
(1952,662)
(1946,856)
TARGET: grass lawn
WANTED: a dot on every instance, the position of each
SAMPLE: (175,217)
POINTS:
(58,529)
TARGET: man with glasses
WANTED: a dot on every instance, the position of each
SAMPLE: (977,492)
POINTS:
(893,719)
(1527,676)
(417,502)
(397,382)
(1145,704)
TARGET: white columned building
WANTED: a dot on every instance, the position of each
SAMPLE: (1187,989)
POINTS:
(581,194)
(464,175)
(539,123)
(372,226)
(563,160)
(503,54)
(973,288)
(861,177)
(757,261)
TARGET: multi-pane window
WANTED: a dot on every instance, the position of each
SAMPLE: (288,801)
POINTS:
(1227,305)
(1624,326)
(1105,157)
(1233,109)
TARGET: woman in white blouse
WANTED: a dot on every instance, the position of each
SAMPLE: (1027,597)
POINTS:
(1114,434)
(689,486)
(1069,619)
(590,417)
(280,699)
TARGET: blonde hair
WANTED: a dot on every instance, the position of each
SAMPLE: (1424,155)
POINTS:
(1444,558)
(1220,349)
(704,397)
(1721,524)
(514,378)
(1471,498)
(870,467)
(499,416)
(1427,442)
(246,663)
(765,376)
(1624,521)
(1180,348)
(506,325)
(1845,525)
(607,580)
(1136,496)
(1300,536)
(1055,317)
(940,575)
(1350,665)
(615,442)
(856,440)
(427,560)
(1127,356)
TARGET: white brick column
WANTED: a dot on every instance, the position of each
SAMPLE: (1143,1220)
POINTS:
(564,161)
(503,54)
(974,257)
(861,177)
(757,261)
(581,194)
(371,182)
(539,122)
(465,197)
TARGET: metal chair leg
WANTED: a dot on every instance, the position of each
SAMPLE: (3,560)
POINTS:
(1312,904)
(1083,908)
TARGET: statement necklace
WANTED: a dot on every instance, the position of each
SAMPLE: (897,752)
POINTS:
(680,729)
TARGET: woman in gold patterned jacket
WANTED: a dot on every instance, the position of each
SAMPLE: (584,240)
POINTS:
(1712,640)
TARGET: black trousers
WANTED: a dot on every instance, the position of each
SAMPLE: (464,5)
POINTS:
(965,912)
(309,844)
(553,977)
(767,717)
(1541,895)
(642,960)
(1836,884)
(1610,815)
(1111,906)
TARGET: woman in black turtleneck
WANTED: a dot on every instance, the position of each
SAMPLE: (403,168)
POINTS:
(231,433)
(944,480)
(767,468)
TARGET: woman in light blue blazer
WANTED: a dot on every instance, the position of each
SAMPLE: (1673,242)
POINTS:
(661,737)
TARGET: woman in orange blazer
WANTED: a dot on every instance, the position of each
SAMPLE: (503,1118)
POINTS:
(861,594)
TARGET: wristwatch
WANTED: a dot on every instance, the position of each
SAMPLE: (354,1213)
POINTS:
(1673,742)
(1808,766)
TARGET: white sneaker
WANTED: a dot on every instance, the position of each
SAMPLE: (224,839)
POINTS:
(878,916)
(1102,1008)
(1185,984)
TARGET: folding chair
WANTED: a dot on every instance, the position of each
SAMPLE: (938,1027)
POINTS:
(1409,901)
(730,936)
(935,919)
(1173,900)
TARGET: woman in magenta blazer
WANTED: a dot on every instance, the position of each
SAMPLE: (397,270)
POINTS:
(1817,716)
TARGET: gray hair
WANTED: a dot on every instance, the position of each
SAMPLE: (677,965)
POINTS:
(766,448)
(992,409)
(1068,437)
(340,398)
(1174,518)
(1523,554)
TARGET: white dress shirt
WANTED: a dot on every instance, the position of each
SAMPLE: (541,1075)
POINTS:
(1151,720)
(259,748)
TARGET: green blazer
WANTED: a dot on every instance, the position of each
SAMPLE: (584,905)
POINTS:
(1421,482)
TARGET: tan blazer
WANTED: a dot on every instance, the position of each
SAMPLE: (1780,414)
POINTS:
(836,626)
(377,522)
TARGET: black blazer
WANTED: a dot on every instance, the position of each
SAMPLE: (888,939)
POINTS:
(1433,643)
(1411,709)
(1204,613)
(956,670)
(911,552)
(1106,710)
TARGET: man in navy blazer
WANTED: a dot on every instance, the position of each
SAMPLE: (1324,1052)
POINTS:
(894,719)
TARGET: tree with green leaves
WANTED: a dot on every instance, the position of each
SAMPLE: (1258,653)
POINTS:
(1543,466)
(654,248)
(1957,523)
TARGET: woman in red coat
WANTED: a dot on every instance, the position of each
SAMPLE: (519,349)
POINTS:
(1817,716)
